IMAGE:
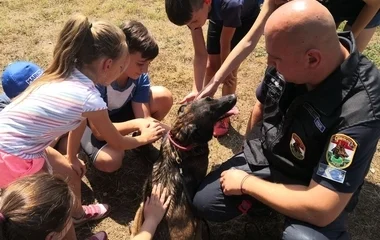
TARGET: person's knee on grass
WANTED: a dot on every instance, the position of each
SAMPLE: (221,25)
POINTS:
(109,160)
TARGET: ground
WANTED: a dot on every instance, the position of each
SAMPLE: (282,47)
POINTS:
(28,31)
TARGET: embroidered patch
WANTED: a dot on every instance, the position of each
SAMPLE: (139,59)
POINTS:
(297,147)
(340,151)
(334,174)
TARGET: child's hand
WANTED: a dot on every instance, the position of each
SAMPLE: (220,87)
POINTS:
(145,123)
(156,205)
(78,166)
(152,132)
(189,97)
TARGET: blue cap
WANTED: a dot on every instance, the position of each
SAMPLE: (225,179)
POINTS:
(18,76)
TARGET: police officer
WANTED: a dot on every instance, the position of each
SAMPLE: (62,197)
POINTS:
(319,104)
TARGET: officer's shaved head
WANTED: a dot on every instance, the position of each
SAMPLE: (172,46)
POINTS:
(300,39)
(304,23)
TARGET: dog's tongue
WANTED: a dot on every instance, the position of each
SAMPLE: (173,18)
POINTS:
(233,111)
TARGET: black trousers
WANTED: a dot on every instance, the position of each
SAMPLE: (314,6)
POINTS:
(213,205)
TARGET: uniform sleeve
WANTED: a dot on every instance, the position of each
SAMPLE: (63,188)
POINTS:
(347,157)
(231,13)
(142,93)
(94,102)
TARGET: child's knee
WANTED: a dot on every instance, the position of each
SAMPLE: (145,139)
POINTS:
(162,100)
(109,162)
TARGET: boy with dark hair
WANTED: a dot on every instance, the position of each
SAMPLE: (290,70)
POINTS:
(128,98)
(230,20)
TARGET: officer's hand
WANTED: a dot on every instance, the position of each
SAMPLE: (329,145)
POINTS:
(231,180)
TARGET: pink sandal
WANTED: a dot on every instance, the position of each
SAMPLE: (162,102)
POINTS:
(98,236)
(92,212)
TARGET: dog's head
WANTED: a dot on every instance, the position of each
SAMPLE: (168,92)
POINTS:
(195,122)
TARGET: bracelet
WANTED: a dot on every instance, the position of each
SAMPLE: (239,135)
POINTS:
(242,182)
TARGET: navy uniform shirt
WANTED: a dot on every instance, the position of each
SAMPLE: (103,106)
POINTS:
(231,13)
(328,134)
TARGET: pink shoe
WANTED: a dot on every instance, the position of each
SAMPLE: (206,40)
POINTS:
(221,127)
(92,212)
(98,236)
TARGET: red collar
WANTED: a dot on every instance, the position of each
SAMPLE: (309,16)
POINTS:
(188,148)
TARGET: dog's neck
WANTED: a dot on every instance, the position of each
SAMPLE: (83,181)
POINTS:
(177,144)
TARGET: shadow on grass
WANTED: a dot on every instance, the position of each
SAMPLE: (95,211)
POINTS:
(233,140)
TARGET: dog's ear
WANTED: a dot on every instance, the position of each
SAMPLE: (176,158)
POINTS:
(198,135)
(181,109)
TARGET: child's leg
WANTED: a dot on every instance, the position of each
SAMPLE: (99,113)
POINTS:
(213,65)
(160,103)
(103,156)
(213,49)
(108,159)
(364,37)
(61,166)
(229,86)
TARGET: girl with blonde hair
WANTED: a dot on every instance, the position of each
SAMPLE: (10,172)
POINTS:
(60,101)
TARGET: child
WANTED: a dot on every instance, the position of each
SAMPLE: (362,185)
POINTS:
(127,98)
(230,20)
(36,207)
(39,206)
(362,16)
(16,78)
(86,53)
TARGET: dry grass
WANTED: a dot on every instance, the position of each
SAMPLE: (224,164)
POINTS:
(28,31)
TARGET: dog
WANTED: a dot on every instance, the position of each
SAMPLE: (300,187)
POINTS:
(182,165)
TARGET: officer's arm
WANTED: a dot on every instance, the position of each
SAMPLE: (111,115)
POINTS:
(333,183)
(314,204)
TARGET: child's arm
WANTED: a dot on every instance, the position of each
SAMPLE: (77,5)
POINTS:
(199,62)
(124,128)
(73,145)
(365,16)
(142,110)
(154,210)
(242,50)
(110,134)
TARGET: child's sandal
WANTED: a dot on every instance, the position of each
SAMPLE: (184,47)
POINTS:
(92,212)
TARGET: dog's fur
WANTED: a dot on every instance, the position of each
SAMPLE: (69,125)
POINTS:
(182,171)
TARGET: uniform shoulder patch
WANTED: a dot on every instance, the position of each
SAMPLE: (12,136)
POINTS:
(297,147)
(341,151)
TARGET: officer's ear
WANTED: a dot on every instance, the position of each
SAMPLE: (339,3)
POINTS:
(313,58)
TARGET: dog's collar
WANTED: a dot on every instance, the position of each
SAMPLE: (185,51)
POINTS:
(187,148)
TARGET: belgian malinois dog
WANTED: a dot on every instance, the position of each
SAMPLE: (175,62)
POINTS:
(182,165)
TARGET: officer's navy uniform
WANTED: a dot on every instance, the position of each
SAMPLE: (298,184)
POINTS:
(328,135)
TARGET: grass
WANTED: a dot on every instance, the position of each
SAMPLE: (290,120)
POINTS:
(28,31)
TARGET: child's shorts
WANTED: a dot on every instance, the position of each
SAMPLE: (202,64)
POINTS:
(215,30)
(348,10)
(91,145)
(13,168)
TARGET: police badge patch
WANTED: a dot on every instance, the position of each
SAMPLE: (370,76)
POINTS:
(297,147)
(340,151)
